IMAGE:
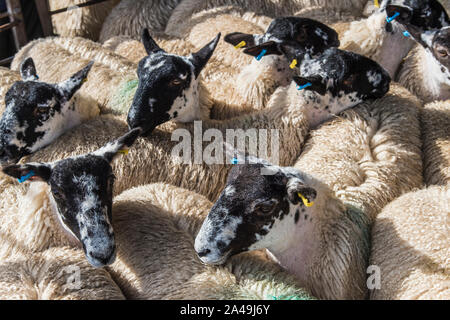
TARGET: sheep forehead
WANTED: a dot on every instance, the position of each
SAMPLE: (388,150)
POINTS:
(166,63)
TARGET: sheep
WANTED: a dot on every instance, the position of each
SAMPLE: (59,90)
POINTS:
(167,146)
(257,81)
(57,58)
(349,169)
(7,79)
(80,22)
(55,274)
(435,122)
(426,69)
(170,218)
(130,17)
(257,12)
(246,83)
(410,247)
(385,42)
(37,112)
(69,203)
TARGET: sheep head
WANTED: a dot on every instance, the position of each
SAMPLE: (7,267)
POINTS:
(259,208)
(168,85)
(312,36)
(36,112)
(82,189)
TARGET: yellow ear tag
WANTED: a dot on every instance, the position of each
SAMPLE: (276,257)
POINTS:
(305,201)
(84,80)
(293,64)
(377,4)
(124,151)
(240,45)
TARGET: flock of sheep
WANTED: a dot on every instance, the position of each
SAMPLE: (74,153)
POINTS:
(357,206)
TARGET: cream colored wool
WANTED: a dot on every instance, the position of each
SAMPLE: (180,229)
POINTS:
(130,17)
(80,22)
(53,275)
(369,38)
(413,75)
(56,59)
(435,120)
(410,245)
(257,9)
(368,156)
(164,265)
(7,79)
(134,50)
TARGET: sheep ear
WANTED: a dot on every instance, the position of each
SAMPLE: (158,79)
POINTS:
(150,45)
(70,86)
(201,57)
(29,171)
(271,47)
(311,83)
(236,38)
(296,189)
(405,12)
(119,146)
(28,70)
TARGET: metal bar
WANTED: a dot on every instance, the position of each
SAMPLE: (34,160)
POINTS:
(43,9)
(15,16)
(6,61)
(81,5)
(9,25)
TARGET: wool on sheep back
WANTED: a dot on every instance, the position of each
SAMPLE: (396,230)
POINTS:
(130,17)
(435,121)
(410,240)
(80,22)
(367,156)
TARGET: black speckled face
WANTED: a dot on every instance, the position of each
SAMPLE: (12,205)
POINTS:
(36,113)
(345,76)
(168,86)
(441,47)
(82,188)
(251,212)
(312,36)
(418,16)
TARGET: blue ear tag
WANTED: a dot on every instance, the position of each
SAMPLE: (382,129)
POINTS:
(309,84)
(390,19)
(263,52)
(407,34)
(234,161)
(26,177)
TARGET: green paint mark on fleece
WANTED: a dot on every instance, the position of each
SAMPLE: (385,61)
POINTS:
(122,99)
(304,296)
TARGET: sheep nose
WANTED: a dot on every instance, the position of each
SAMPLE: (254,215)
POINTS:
(204,253)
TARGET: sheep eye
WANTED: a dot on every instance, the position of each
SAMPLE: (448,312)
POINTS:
(41,110)
(57,193)
(443,53)
(175,82)
(265,208)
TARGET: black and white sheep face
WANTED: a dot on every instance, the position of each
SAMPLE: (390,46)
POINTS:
(168,86)
(254,211)
(36,112)
(339,80)
(440,47)
(418,15)
(311,35)
(82,190)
